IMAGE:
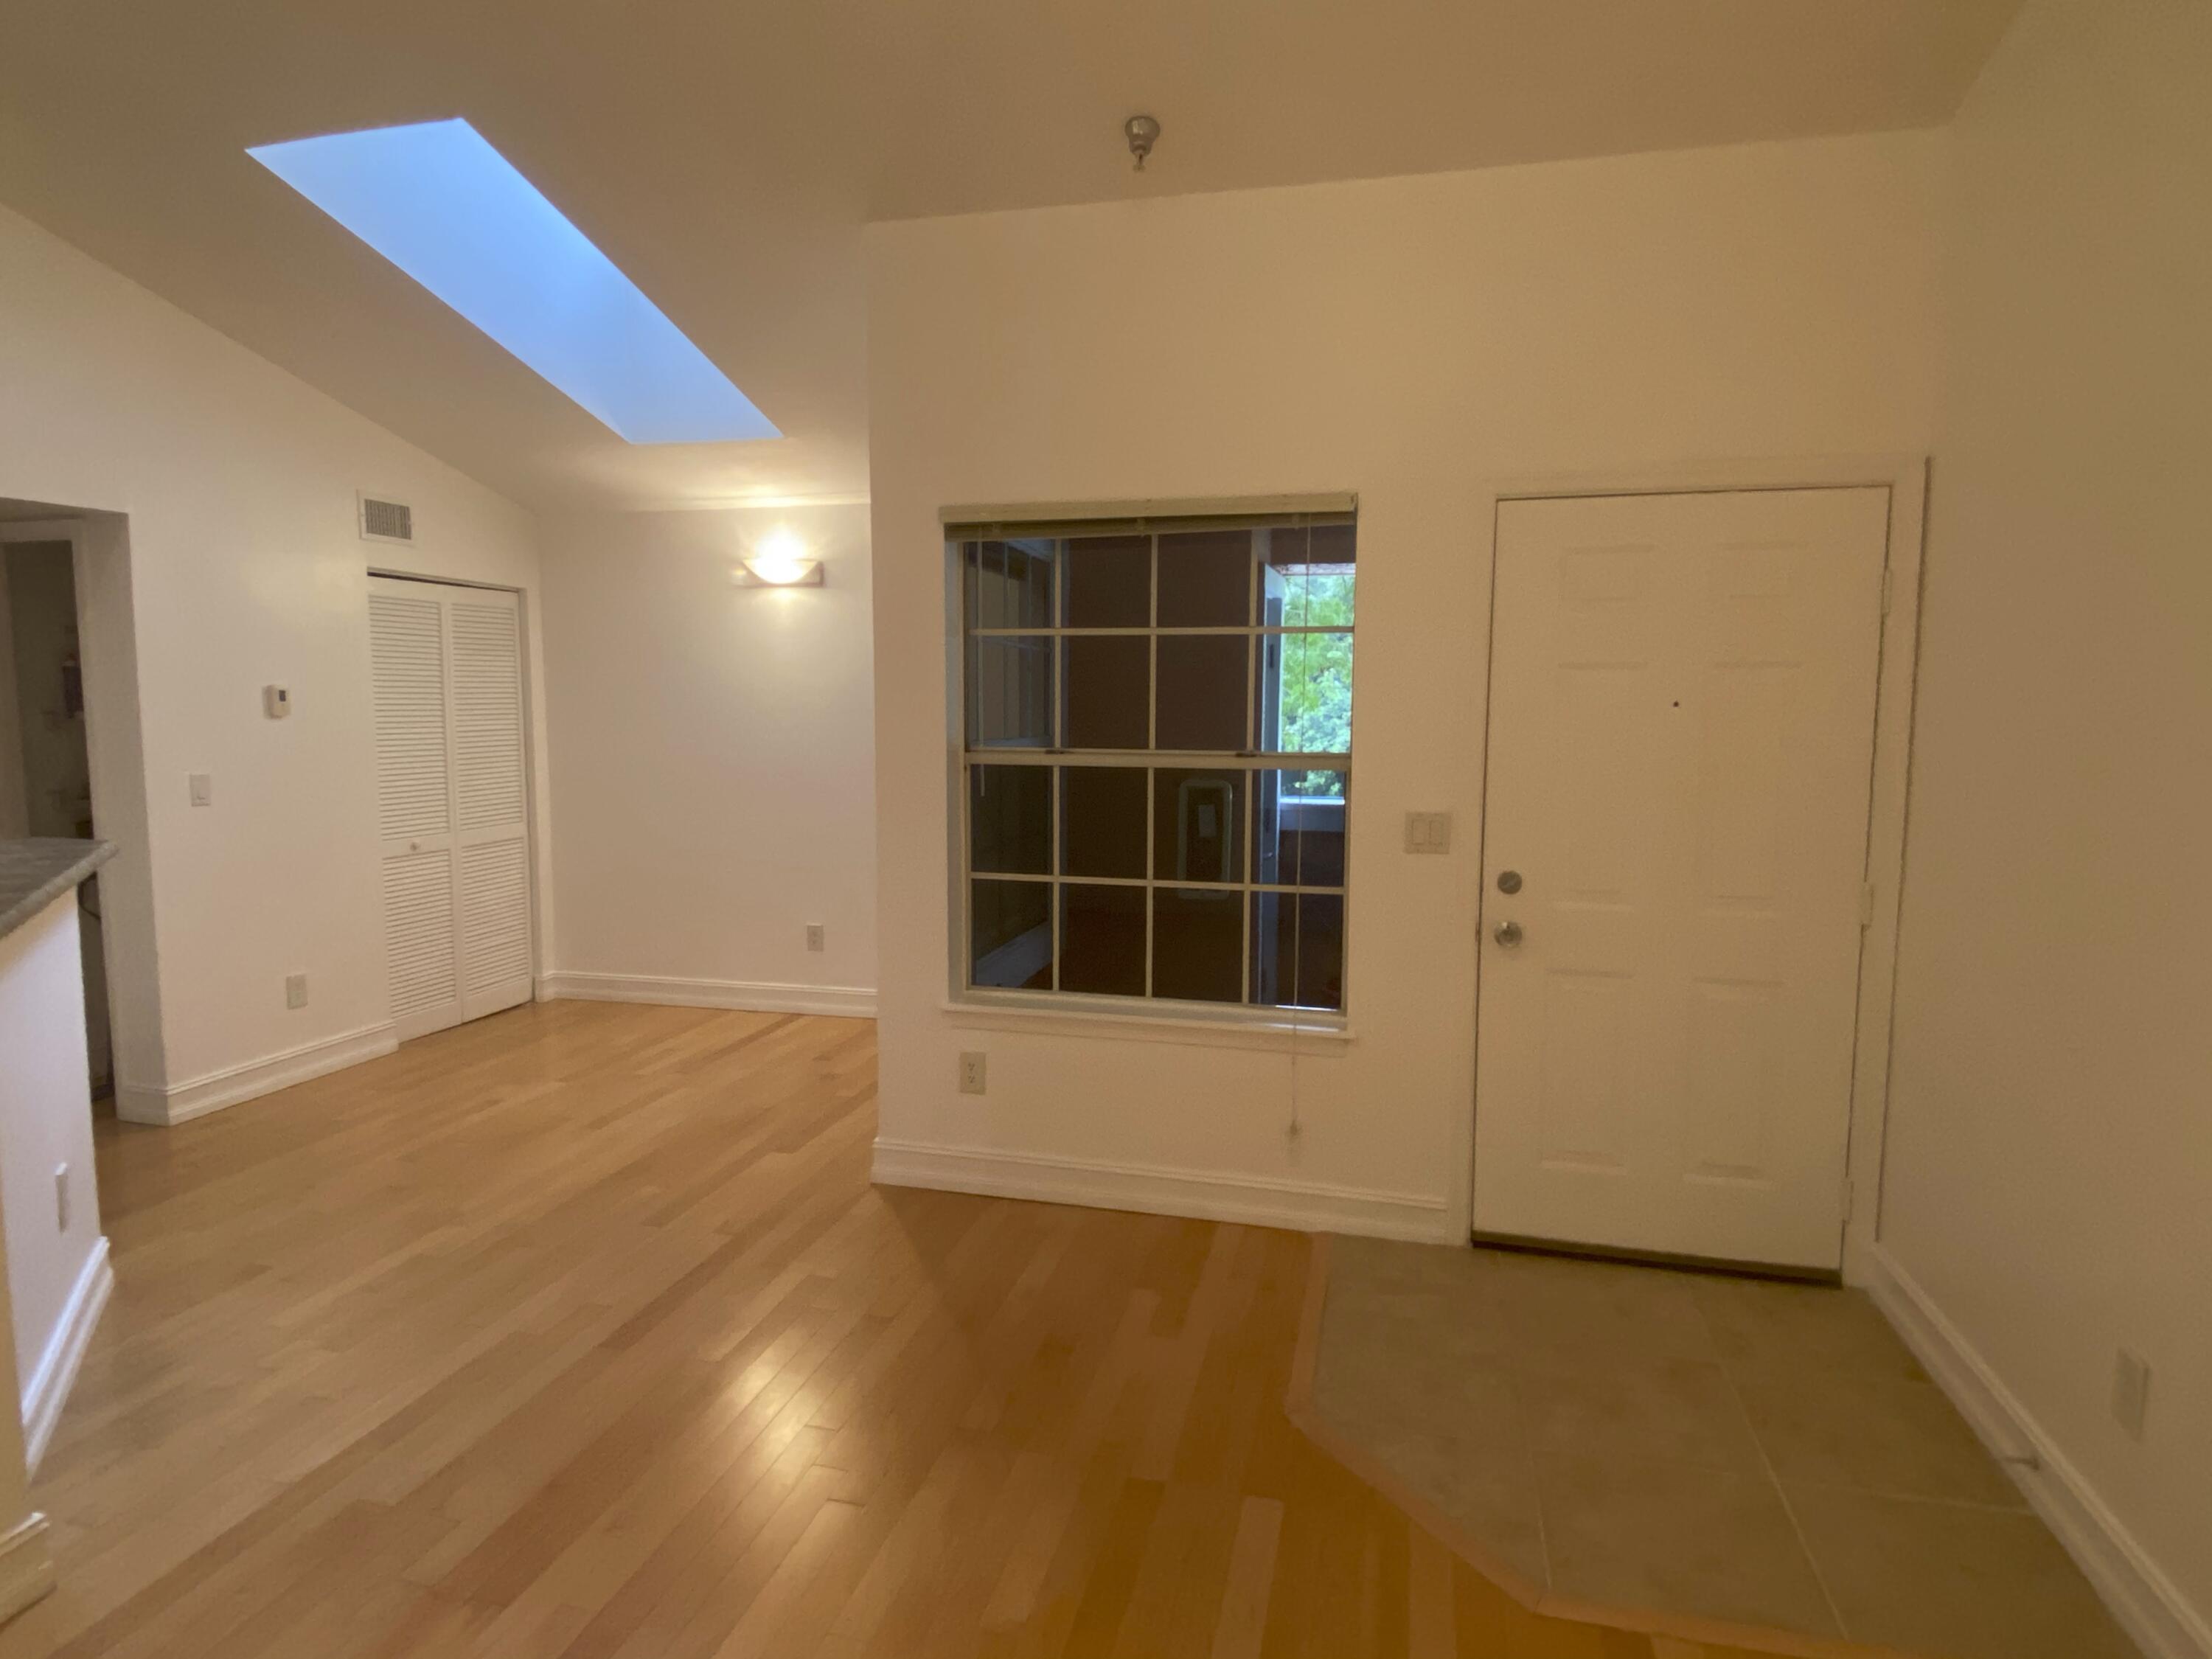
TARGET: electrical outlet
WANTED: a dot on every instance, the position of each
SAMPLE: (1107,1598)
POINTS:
(2131,1392)
(295,990)
(972,1078)
(60,1197)
(814,935)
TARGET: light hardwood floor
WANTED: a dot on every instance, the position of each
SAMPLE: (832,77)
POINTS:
(579,1331)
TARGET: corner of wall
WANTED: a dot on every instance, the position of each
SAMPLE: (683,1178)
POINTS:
(2146,1602)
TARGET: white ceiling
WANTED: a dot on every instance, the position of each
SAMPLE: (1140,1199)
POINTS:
(725,153)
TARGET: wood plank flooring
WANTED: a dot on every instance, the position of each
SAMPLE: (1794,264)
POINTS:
(580,1332)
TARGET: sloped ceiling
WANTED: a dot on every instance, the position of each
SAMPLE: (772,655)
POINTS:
(726,155)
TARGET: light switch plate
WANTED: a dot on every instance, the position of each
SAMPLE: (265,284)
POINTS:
(1428,832)
(202,787)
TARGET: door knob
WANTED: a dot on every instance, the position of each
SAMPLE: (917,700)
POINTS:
(1507,933)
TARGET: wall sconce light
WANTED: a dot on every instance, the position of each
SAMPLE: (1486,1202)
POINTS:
(779,560)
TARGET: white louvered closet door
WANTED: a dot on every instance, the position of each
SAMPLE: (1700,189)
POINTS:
(451,800)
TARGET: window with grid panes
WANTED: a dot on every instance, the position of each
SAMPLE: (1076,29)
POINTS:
(1157,760)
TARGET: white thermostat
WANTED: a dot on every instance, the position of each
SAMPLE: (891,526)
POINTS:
(276,700)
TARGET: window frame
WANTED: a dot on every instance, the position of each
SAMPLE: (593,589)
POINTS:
(961,527)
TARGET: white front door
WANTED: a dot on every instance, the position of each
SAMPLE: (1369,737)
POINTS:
(451,800)
(1682,738)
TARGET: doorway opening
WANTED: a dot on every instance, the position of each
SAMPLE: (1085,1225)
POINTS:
(45,754)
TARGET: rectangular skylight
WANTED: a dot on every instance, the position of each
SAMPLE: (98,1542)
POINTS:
(452,213)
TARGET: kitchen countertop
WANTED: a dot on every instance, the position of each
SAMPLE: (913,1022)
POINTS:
(34,871)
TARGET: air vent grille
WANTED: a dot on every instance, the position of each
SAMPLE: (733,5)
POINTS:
(386,521)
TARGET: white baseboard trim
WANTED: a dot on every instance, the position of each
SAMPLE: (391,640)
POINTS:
(47,1388)
(2149,1606)
(761,999)
(178,1103)
(1256,1200)
(26,1565)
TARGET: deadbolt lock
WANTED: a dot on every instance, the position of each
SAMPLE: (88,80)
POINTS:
(1509,881)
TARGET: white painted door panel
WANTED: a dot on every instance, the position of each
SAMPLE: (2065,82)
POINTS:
(411,680)
(451,800)
(490,793)
(1681,731)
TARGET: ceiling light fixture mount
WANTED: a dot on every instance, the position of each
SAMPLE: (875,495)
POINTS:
(1143,132)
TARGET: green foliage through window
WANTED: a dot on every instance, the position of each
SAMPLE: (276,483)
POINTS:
(1316,689)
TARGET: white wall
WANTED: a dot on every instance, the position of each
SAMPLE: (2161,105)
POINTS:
(2049,1184)
(26,1562)
(712,770)
(1407,339)
(239,565)
(46,1121)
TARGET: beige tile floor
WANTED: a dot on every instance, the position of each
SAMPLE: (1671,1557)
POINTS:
(1737,1450)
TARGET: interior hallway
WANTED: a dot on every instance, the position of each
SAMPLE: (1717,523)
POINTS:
(579,1331)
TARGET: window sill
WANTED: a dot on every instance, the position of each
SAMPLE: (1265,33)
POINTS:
(1320,1034)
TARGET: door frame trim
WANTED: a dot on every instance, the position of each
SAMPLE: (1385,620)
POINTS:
(1906,477)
